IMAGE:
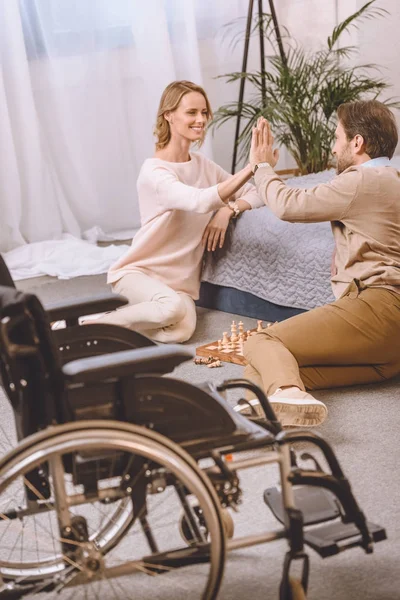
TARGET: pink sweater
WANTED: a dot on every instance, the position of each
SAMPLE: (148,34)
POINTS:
(176,202)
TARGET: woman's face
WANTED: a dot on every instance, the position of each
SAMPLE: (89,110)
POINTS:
(189,119)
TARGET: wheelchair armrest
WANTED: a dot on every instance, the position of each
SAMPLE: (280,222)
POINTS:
(155,359)
(73,309)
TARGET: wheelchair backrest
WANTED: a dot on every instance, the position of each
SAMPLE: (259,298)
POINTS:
(5,275)
(29,364)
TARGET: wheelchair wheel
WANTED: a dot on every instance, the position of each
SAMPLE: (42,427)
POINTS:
(112,536)
(185,529)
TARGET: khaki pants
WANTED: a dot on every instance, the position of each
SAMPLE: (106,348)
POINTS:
(351,341)
(155,310)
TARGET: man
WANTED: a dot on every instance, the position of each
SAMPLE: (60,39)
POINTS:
(356,338)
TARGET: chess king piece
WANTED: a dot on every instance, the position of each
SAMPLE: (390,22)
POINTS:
(234,335)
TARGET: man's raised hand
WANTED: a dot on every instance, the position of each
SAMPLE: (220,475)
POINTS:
(262,142)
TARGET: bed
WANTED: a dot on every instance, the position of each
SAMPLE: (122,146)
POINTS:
(270,269)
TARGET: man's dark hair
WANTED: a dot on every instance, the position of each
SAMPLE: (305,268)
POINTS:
(374,122)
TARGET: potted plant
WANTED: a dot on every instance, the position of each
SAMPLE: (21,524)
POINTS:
(299,92)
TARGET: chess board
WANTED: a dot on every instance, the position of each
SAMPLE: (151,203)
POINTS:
(226,355)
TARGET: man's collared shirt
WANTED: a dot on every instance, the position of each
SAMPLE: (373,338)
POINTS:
(381,161)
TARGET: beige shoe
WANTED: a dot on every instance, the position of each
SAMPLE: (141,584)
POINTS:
(295,408)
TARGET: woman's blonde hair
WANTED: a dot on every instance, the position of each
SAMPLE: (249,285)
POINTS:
(170,99)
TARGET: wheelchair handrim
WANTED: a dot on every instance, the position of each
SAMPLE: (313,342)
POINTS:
(90,440)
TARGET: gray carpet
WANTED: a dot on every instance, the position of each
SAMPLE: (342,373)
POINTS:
(363,427)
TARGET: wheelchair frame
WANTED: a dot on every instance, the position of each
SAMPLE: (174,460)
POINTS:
(72,441)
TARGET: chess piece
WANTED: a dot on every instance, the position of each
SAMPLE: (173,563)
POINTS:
(219,345)
(202,360)
(234,336)
(241,327)
(240,347)
(248,334)
(225,339)
(242,337)
(215,363)
(259,326)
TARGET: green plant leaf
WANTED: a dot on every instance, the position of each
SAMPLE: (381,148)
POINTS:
(365,11)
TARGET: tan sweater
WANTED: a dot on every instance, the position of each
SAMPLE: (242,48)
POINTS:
(363,205)
(176,202)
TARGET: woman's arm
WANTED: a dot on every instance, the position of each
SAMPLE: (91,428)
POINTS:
(214,233)
(173,194)
(229,187)
(246,196)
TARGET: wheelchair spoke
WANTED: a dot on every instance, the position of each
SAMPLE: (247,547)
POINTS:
(6,437)
(110,583)
(16,542)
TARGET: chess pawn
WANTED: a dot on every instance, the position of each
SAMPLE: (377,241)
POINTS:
(248,333)
(259,326)
(225,339)
(241,327)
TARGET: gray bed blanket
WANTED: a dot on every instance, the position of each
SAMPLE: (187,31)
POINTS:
(285,263)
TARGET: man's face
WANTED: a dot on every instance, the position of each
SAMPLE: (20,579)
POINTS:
(343,150)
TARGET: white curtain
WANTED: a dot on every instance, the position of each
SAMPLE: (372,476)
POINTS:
(80,82)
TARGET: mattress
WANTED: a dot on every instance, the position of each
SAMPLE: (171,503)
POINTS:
(285,263)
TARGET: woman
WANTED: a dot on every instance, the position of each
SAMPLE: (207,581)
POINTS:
(178,191)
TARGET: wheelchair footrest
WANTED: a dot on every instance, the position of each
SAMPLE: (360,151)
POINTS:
(328,540)
(317,504)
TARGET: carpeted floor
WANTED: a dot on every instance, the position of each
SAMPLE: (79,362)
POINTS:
(363,427)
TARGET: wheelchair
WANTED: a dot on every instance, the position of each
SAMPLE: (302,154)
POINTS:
(123,480)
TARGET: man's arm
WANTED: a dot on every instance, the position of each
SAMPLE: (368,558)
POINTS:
(326,202)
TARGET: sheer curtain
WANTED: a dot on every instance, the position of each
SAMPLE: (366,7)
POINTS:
(80,82)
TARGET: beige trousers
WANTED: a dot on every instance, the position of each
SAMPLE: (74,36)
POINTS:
(154,309)
(351,341)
